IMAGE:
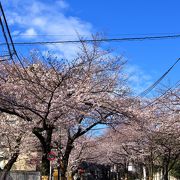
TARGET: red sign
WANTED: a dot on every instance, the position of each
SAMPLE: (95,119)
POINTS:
(81,171)
(51,156)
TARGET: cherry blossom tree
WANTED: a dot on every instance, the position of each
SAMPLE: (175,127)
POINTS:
(14,140)
(151,140)
(74,95)
(167,133)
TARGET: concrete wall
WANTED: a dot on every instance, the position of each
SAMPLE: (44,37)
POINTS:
(20,175)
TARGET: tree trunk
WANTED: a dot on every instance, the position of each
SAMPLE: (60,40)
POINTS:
(8,166)
(65,158)
(46,148)
(165,177)
(165,172)
(165,165)
(126,172)
(45,165)
(150,168)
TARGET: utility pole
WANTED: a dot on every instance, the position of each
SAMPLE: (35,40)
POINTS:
(59,156)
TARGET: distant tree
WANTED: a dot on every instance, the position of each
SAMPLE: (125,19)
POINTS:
(14,136)
(167,135)
(152,140)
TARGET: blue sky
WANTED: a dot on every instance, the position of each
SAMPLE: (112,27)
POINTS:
(147,60)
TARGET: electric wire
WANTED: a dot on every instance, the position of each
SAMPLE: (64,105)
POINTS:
(5,37)
(149,89)
(71,35)
(97,40)
(13,51)
(176,85)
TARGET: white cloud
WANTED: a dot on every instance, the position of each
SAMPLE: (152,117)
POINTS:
(43,18)
(39,22)
(63,4)
(29,32)
(15,33)
(137,78)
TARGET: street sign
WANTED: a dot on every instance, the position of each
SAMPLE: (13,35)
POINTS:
(51,156)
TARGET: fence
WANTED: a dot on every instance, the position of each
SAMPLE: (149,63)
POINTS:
(21,175)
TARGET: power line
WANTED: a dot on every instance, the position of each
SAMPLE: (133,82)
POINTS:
(176,85)
(145,92)
(6,33)
(74,35)
(5,36)
(98,40)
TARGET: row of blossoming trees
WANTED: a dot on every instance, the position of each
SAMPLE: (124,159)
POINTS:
(151,143)
(46,100)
